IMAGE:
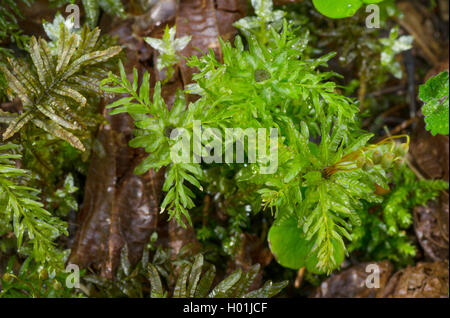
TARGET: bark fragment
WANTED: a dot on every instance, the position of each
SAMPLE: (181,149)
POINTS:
(119,208)
(425,280)
(180,237)
(431,226)
(160,13)
(351,283)
(251,251)
(430,153)
(197,18)
(228,12)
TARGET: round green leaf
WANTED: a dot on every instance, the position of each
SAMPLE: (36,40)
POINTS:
(338,9)
(434,94)
(291,249)
(288,244)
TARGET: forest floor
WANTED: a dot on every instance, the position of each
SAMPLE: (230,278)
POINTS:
(109,190)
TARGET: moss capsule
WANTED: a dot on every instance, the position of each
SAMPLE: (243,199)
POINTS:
(376,157)
(7,277)
(387,160)
(360,161)
(402,150)
(398,163)
(368,165)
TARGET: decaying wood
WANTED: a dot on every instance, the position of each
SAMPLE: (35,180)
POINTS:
(425,280)
(431,224)
(197,18)
(160,13)
(119,208)
(352,282)
(430,153)
(228,12)
(252,250)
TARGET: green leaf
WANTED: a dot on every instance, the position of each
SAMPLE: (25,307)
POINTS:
(268,290)
(92,9)
(168,48)
(55,87)
(195,275)
(221,290)
(194,280)
(205,282)
(33,226)
(288,244)
(434,93)
(155,282)
(180,290)
(337,9)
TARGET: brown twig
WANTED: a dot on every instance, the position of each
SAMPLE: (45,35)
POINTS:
(205,211)
(404,125)
(299,278)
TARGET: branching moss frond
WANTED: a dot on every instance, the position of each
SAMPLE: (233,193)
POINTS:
(55,87)
(21,207)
